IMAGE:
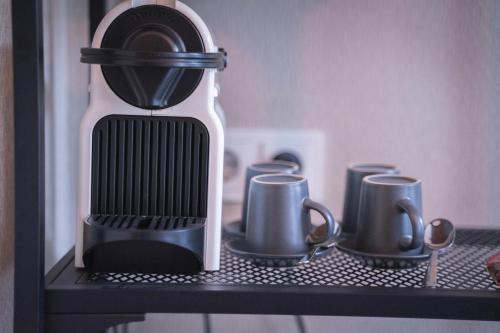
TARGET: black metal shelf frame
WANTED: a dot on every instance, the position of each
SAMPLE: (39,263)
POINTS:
(336,284)
(29,210)
(29,163)
(72,300)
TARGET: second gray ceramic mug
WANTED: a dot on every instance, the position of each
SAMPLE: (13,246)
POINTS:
(355,174)
(390,216)
(278,216)
(264,168)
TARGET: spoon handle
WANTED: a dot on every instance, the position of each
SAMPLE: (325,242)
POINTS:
(432,270)
(309,256)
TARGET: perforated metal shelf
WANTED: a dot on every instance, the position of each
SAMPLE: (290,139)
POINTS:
(337,285)
(461,267)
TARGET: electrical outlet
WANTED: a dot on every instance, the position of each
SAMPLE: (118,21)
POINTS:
(247,146)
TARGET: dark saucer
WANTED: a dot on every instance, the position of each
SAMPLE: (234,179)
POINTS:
(347,245)
(241,249)
(233,229)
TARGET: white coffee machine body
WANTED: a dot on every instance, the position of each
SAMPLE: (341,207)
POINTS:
(200,105)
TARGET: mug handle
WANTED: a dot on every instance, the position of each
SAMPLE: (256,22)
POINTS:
(417,224)
(333,228)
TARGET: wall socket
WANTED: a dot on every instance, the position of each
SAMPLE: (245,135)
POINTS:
(247,146)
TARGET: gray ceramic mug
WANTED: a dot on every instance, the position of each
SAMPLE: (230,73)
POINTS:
(390,216)
(278,216)
(265,168)
(355,174)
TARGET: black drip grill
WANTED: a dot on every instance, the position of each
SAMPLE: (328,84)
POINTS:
(146,222)
(461,267)
(149,166)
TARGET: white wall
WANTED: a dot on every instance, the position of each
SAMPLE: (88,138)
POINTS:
(66,31)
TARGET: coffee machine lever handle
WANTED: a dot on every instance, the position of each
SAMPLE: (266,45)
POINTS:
(120,57)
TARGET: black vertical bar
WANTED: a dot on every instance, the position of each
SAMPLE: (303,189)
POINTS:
(96,167)
(187,163)
(172,144)
(163,172)
(139,156)
(29,226)
(97,10)
(179,169)
(122,168)
(105,170)
(197,156)
(205,159)
(153,166)
(130,151)
(146,160)
(112,168)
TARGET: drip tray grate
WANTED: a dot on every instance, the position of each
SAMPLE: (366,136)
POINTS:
(163,223)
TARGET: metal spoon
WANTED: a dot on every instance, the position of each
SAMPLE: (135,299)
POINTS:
(439,234)
(319,233)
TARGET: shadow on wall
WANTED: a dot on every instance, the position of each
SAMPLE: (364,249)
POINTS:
(6,155)
(6,171)
(65,31)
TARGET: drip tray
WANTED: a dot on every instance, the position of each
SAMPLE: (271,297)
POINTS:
(144,244)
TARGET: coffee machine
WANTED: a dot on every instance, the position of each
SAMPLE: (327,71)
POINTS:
(151,143)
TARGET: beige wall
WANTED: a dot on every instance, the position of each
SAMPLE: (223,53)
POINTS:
(414,83)
(6,171)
